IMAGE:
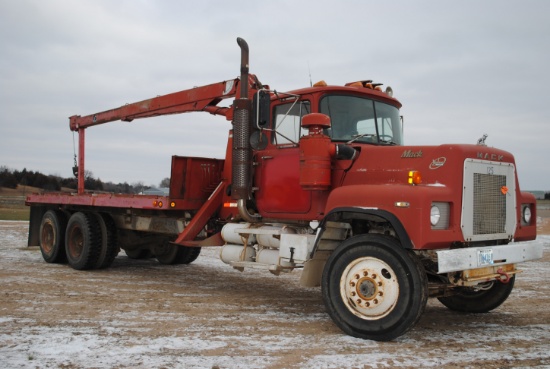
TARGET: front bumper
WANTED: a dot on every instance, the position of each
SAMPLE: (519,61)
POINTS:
(481,257)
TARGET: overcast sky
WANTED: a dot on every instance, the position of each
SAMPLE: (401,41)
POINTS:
(460,68)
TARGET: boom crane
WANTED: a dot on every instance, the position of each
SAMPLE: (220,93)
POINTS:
(203,98)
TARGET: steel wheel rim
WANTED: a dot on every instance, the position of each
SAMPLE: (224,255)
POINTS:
(76,242)
(47,237)
(369,288)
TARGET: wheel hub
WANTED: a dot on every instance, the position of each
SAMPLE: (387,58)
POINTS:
(47,240)
(369,288)
(162,248)
(76,243)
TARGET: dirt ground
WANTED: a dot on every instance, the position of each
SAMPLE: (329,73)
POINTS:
(141,314)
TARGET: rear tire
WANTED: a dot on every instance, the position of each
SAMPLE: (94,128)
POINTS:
(109,247)
(170,254)
(187,255)
(52,236)
(166,252)
(83,241)
(468,300)
(138,254)
(373,288)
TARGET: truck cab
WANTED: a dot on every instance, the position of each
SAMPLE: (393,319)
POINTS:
(359,117)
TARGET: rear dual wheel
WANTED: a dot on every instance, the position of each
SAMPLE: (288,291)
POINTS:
(138,254)
(109,247)
(373,288)
(52,236)
(170,254)
(90,241)
(83,241)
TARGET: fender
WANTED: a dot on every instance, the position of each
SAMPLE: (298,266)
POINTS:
(341,213)
(313,268)
(405,207)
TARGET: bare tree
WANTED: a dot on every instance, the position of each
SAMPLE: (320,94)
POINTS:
(165,183)
(138,187)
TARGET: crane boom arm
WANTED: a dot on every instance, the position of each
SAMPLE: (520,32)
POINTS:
(203,98)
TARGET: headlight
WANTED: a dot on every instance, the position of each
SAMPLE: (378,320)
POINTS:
(435,215)
(527,214)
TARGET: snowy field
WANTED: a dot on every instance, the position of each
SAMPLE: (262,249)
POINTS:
(139,314)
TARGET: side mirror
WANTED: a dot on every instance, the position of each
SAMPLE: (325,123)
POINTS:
(261,106)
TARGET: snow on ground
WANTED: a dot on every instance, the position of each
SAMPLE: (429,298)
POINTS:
(517,335)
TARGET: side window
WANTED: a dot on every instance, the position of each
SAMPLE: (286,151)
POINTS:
(287,118)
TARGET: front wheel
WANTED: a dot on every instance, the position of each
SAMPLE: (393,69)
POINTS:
(480,299)
(373,288)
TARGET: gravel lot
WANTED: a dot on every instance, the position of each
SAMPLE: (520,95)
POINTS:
(140,314)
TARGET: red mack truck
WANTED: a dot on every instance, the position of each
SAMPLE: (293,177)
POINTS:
(316,179)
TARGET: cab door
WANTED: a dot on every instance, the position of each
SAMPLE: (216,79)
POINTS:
(278,172)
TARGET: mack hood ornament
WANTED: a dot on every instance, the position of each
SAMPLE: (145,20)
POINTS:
(481,141)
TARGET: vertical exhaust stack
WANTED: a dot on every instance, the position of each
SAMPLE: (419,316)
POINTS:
(241,132)
(240,189)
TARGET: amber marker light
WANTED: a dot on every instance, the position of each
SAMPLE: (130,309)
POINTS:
(402,204)
(155,203)
(160,204)
(415,177)
(173,204)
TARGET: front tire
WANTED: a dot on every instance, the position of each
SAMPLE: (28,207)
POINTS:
(471,300)
(373,288)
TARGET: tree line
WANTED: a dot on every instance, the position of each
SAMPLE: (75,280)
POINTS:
(12,178)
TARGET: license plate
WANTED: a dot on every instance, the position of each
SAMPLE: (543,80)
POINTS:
(485,257)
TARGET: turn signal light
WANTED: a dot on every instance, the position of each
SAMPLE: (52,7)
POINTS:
(414,177)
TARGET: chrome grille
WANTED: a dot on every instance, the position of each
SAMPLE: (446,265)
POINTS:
(489,204)
(488,201)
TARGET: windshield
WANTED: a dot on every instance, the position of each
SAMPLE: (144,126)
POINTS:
(362,120)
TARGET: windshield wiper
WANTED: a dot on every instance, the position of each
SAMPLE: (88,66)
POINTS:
(389,142)
(356,137)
